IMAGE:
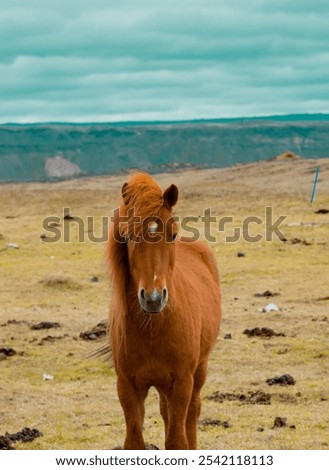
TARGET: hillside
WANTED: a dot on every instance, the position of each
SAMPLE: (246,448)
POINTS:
(43,152)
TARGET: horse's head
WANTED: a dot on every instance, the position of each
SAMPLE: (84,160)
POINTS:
(150,234)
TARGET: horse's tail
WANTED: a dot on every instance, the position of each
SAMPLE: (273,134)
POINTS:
(104,351)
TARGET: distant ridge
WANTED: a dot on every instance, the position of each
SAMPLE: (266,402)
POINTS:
(276,117)
(55,151)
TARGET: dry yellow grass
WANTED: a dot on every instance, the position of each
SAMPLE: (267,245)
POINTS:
(43,281)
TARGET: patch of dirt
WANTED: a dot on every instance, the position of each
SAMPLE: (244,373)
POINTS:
(8,352)
(262,332)
(286,398)
(51,339)
(96,332)
(250,398)
(296,241)
(45,325)
(322,211)
(281,423)
(285,379)
(203,423)
(25,435)
(15,322)
(61,282)
(267,293)
(287,156)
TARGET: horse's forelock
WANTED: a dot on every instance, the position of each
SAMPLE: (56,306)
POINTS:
(142,200)
(143,195)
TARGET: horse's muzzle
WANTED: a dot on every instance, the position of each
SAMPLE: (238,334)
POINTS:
(152,302)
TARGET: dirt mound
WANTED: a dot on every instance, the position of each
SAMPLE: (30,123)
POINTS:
(25,435)
(203,423)
(285,379)
(250,398)
(262,332)
(287,156)
(96,332)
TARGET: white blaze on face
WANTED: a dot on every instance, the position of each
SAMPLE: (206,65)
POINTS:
(152,228)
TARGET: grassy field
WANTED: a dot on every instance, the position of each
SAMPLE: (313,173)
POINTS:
(55,282)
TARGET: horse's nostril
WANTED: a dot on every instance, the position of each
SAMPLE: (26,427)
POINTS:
(142,292)
(164,293)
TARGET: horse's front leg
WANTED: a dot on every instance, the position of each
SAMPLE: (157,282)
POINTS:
(178,400)
(132,402)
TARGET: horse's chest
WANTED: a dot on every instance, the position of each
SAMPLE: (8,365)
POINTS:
(153,361)
(149,351)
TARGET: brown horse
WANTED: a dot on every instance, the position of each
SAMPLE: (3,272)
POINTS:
(165,312)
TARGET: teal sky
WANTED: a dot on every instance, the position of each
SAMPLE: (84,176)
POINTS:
(118,60)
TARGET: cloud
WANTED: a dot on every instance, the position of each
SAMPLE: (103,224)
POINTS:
(107,60)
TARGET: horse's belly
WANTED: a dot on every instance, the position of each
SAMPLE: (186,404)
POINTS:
(154,378)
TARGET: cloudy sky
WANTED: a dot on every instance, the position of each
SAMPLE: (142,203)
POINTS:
(117,60)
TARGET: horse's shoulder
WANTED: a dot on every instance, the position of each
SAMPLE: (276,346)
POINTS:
(200,250)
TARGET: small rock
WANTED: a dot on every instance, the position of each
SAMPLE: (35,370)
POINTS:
(99,330)
(68,217)
(47,377)
(280,422)
(7,351)
(285,379)
(43,236)
(95,279)
(240,254)
(12,245)
(267,293)
(228,336)
(270,308)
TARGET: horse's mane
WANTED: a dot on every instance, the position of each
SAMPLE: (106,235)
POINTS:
(142,198)
(143,195)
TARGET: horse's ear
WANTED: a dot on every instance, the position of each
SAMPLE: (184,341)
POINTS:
(170,196)
(124,193)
